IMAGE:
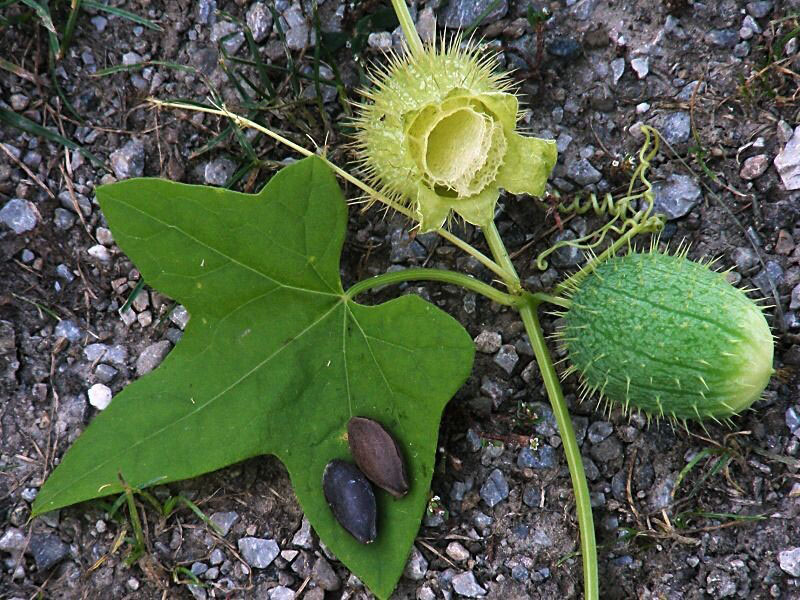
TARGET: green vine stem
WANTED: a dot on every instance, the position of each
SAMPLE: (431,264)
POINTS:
(440,275)
(409,30)
(580,488)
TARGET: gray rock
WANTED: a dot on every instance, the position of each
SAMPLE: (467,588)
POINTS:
(259,20)
(99,252)
(641,65)
(531,496)
(426,25)
(281,592)
(417,565)
(582,172)
(105,373)
(495,489)
(297,29)
(542,458)
(198,568)
(789,560)
(607,450)
(303,538)
(19,215)
(64,272)
(788,162)
(745,258)
(676,196)
(457,552)
(773,272)
(794,302)
(686,93)
(599,430)
(19,102)
(617,69)
(382,40)
(722,38)
(324,575)
(258,552)
(741,49)
(507,358)
(205,12)
(47,550)
(792,419)
(217,557)
(152,356)
(218,171)
(13,541)
(464,584)
(473,440)
(180,316)
(488,342)
(405,248)
(566,256)
(68,201)
(754,167)
(583,9)
(759,10)
(99,23)
(676,127)
(67,328)
(520,573)
(117,354)
(231,33)
(720,584)
(128,161)
(565,47)
(224,521)
(660,496)
(461,14)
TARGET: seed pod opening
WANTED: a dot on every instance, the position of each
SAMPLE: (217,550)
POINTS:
(667,336)
(351,499)
(378,455)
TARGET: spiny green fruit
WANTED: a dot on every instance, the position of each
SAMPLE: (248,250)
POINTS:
(667,336)
(438,133)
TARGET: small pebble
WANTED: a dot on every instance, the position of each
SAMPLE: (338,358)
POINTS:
(99,396)
(457,552)
(641,65)
(258,552)
(495,489)
(488,342)
(224,521)
(507,358)
(417,565)
(100,252)
(128,161)
(152,356)
(466,585)
(754,167)
(19,215)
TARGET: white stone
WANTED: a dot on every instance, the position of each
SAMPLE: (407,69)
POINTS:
(99,396)
(788,162)
(100,252)
(641,65)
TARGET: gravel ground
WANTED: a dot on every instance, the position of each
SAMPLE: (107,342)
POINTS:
(503,524)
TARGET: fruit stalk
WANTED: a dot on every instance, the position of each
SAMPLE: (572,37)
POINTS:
(583,507)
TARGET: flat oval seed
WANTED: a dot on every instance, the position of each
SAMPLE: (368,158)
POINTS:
(351,499)
(378,455)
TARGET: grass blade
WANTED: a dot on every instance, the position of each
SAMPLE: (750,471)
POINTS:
(19,122)
(119,12)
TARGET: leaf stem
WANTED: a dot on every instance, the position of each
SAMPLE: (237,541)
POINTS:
(583,507)
(407,23)
(440,275)
(244,122)
(502,258)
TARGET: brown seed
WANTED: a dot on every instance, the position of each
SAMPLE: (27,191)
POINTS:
(351,499)
(377,454)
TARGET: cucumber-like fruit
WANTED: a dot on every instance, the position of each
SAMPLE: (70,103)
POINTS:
(667,336)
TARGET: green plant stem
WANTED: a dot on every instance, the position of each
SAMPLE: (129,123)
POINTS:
(583,507)
(440,275)
(500,254)
(407,23)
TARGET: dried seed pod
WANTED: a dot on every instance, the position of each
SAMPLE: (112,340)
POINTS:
(351,499)
(377,454)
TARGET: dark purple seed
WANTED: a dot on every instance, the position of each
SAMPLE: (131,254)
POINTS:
(351,499)
(377,454)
